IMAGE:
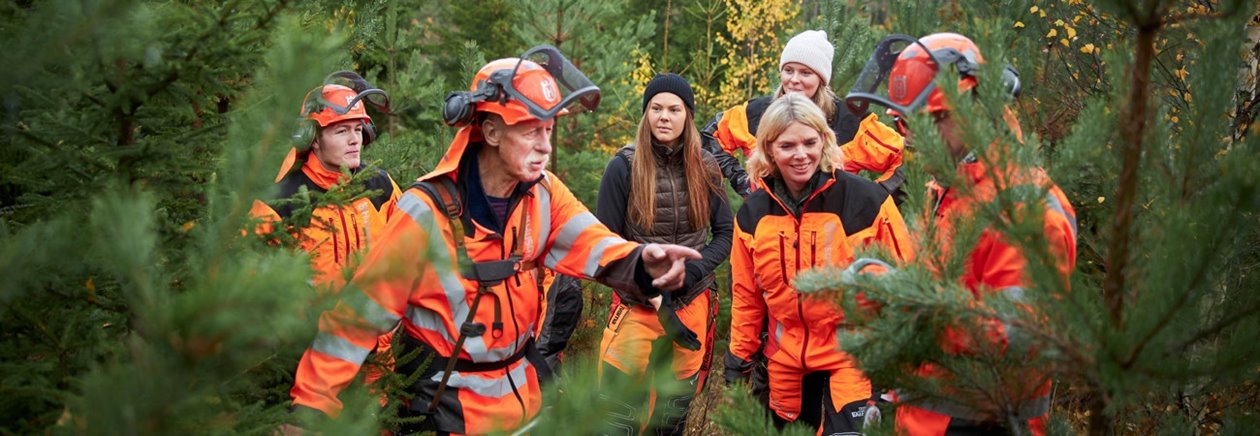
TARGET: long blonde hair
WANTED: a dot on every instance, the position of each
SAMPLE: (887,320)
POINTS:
(785,110)
(700,180)
(825,98)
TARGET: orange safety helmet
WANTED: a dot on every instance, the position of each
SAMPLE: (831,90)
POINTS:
(523,88)
(334,102)
(322,110)
(905,69)
(530,79)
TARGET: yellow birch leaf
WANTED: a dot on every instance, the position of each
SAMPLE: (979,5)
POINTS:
(1052,33)
(1071,32)
(1065,42)
(1181,73)
(1032,10)
(1058,23)
(1088,48)
(1019,24)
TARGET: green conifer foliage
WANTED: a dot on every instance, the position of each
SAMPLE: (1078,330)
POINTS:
(1159,314)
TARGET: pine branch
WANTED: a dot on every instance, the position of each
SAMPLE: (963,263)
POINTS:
(1200,274)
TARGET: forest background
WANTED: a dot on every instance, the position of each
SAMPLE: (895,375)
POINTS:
(137,132)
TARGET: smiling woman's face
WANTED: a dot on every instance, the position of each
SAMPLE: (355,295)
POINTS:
(796,153)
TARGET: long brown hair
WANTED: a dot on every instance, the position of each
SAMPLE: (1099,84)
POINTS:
(700,179)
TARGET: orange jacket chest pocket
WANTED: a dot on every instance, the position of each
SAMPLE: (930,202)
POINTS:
(823,241)
(774,255)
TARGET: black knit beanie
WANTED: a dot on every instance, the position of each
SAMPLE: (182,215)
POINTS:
(673,84)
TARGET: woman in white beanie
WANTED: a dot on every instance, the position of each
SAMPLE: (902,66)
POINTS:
(805,68)
(865,143)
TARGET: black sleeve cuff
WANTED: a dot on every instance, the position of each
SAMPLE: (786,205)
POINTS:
(644,280)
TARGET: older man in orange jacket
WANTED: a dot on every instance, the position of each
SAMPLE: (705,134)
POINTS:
(456,268)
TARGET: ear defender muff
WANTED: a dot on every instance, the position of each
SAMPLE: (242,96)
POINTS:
(1010,76)
(458,111)
(460,106)
(369,132)
(1010,81)
(304,134)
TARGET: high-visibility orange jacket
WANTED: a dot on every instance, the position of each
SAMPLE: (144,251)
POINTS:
(411,275)
(336,233)
(840,214)
(867,143)
(994,265)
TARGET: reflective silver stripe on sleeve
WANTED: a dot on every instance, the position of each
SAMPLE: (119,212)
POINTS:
(597,253)
(1014,293)
(370,311)
(491,387)
(778,333)
(568,236)
(1016,338)
(544,217)
(1055,205)
(442,259)
(340,348)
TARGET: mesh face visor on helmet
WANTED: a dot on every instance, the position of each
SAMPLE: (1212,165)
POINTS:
(364,92)
(912,80)
(573,85)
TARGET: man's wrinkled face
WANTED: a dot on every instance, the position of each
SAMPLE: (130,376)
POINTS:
(524,147)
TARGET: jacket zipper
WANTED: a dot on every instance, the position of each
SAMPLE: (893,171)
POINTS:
(336,252)
(813,248)
(800,299)
(516,276)
(893,236)
(673,193)
(783,257)
(358,243)
(345,230)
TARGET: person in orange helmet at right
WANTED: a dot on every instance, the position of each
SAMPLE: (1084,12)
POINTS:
(901,75)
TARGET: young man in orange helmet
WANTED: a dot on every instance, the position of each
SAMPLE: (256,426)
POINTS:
(335,129)
(457,267)
(902,75)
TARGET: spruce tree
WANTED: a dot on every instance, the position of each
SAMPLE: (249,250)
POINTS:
(1160,315)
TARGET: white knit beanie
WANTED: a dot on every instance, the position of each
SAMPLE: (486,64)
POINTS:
(810,48)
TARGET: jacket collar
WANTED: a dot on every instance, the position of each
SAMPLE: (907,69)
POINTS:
(665,153)
(323,177)
(778,190)
(449,165)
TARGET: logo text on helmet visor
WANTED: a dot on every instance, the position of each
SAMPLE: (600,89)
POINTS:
(897,88)
(548,91)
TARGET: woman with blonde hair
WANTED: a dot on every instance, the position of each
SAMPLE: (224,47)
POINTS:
(805,68)
(810,213)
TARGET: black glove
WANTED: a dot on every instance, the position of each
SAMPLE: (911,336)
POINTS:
(741,185)
(673,326)
(736,368)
